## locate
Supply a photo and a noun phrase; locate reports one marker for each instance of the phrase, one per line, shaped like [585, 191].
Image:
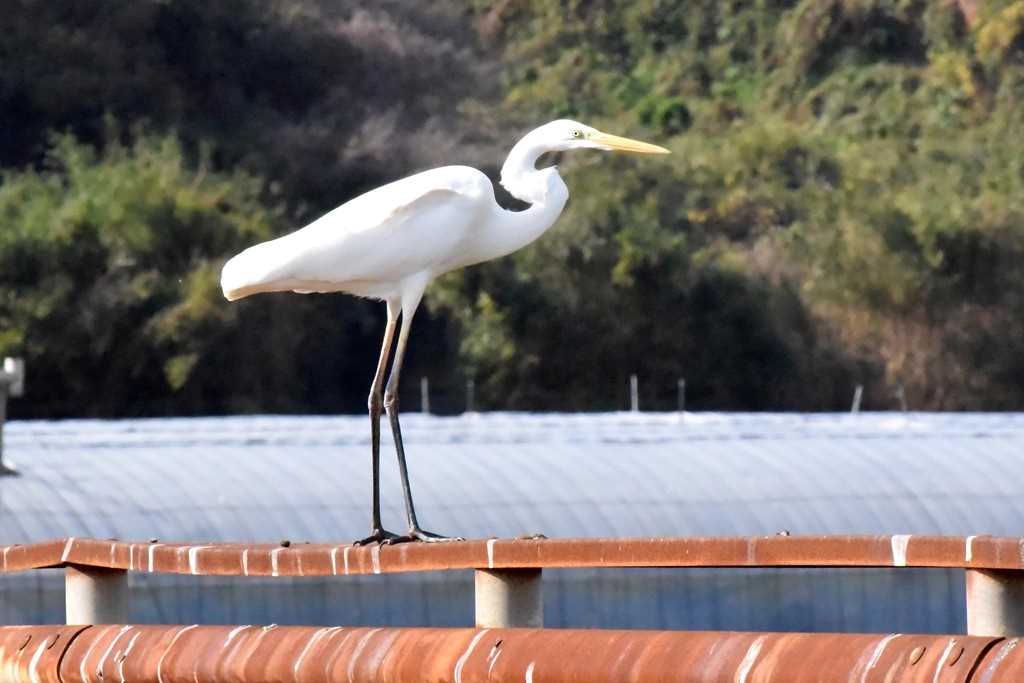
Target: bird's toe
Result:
[378, 536]
[421, 536]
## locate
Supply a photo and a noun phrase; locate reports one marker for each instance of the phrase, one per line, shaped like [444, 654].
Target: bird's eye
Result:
[576, 133]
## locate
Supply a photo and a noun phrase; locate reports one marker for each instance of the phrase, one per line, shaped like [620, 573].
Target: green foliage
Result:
[851, 168]
[843, 203]
[291, 104]
[323, 97]
[110, 264]
[1001, 35]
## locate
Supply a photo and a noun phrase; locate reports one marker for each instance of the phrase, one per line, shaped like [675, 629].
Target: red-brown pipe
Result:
[264, 654]
[301, 559]
[33, 653]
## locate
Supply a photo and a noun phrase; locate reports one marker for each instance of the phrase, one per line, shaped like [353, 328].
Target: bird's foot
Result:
[417, 535]
[378, 536]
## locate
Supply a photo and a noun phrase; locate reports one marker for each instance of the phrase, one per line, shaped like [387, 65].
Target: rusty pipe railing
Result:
[199, 654]
[304, 559]
[509, 570]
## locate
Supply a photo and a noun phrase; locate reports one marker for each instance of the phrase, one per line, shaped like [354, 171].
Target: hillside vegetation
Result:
[844, 203]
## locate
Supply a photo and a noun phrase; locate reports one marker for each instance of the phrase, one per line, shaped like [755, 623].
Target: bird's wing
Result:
[384, 235]
[377, 206]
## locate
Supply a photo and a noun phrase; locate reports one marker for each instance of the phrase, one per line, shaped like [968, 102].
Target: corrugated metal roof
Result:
[307, 478]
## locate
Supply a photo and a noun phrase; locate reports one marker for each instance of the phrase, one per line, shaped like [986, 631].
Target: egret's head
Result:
[520, 175]
[566, 134]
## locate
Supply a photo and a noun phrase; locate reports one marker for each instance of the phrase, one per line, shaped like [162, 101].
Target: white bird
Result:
[391, 242]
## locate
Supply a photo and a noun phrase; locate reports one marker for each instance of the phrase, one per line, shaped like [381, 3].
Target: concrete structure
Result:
[95, 595]
[508, 598]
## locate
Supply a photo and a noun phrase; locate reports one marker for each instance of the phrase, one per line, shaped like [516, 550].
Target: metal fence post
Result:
[858, 393]
[4, 469]
[12, 384]
[901, 396]
[424, 395]
[509, 598]
[995, 602]
[94, 595]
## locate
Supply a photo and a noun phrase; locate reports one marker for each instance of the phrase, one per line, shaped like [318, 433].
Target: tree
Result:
[110, 263]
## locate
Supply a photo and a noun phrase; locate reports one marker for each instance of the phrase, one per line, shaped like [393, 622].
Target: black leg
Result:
[374, 403]
[403, 470]
[391, 406]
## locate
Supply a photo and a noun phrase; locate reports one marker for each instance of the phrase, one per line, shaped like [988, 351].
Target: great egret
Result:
[391, 242]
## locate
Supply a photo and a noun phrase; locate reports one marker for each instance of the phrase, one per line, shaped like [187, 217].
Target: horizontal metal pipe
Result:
[302, 559]
[254, 654]
[33, 653]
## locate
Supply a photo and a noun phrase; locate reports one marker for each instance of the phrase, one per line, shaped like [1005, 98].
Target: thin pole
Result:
[3, 419]
[470, 391]
[12, 384]
[857, 394]
[634, 394]
[681, 394]
[901, 396]
[424, 395]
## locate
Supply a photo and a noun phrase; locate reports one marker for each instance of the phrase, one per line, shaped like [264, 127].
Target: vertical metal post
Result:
[4, 469]
[857, 394]
[995, 602]
[681, 394]
[634, 394]
[424, 396]
[509, 598]
[14, 372]
[95, 596]
[12, 383]
[470, 390]
[901, 396]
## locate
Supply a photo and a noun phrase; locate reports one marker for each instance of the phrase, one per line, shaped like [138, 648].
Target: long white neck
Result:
[520, 176]
[544, 190]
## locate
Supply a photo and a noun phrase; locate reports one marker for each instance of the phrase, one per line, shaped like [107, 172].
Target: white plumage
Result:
[370, 244]
[391, 242]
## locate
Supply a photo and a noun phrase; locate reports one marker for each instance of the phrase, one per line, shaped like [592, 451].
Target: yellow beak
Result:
[614, 142]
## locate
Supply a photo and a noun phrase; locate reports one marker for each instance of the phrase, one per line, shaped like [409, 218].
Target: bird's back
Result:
[372, 242]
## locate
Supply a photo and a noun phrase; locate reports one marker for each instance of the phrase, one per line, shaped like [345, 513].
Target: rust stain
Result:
[33, 653]
[976, 552]
[201, 654]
